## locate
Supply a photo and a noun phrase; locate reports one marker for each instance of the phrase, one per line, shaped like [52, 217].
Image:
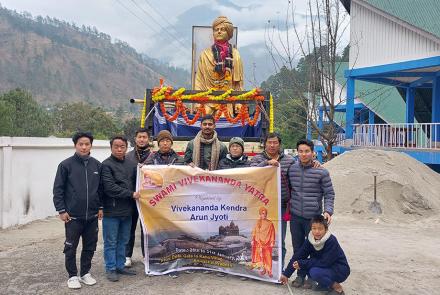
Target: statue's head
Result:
[222, 28]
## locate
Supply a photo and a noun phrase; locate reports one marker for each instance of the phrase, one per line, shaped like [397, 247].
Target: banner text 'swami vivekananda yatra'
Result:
[227, 220]
[189, 180]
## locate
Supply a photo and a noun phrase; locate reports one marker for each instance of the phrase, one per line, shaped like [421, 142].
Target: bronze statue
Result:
[220, 66]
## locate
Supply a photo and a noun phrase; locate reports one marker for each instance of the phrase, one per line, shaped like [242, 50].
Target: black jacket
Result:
[157, 158]
[134, 155]
[76, 189]
[118, 182]
[228, 162]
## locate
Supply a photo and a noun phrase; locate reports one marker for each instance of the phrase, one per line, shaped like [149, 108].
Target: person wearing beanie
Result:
[236, 157]
[164, 134]
[165, 155]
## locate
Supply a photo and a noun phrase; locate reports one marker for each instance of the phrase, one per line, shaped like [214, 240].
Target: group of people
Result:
[86, 191]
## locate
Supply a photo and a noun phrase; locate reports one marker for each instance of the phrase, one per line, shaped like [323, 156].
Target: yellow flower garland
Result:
[271, 115]
[160, 95]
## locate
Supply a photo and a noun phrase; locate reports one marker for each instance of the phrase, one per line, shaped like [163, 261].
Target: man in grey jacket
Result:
[272, 155]
[311, 194]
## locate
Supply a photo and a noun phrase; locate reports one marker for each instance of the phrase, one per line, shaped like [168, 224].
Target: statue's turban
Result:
[225, 21]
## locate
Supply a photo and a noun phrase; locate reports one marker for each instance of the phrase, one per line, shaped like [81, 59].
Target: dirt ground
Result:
[385, 258]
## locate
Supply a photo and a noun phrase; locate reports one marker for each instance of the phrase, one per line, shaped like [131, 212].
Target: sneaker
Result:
[87, 279]
[128, 262]
[207, 271]
[298, 282]
[112, 276]
[73, 283]
[190, 271]
[221, 274]
[308, 283]
[126, 272]
[173, 275]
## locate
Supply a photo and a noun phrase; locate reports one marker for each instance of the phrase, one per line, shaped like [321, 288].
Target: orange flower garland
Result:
[159, 94]
[165, 113]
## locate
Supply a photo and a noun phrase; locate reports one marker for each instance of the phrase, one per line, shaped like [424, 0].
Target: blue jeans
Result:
[116, 234]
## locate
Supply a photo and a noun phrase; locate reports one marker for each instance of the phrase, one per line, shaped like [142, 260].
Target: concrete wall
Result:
[27, 171]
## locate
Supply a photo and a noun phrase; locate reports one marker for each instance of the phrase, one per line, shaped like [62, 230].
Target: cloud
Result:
[136, 22]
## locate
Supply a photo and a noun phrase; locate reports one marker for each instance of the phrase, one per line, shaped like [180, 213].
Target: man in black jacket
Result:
[138, 155]
[119, 182]
[77, 198]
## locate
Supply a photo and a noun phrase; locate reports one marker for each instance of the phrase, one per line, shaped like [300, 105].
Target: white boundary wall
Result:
[27, 171]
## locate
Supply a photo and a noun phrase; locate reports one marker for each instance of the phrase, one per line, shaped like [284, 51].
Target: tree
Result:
[130, 127]
[316, 47]
[289, 119]
[72, 117]
[22, 116]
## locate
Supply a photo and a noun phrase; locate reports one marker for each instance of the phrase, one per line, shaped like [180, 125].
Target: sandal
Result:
[298, 282]
[333, 292]
[319, 288]
[308, 283]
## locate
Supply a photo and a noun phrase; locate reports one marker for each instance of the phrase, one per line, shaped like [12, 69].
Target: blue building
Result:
[394, 46]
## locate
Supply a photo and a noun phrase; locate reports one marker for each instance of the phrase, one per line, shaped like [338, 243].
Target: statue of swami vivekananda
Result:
[220, 66]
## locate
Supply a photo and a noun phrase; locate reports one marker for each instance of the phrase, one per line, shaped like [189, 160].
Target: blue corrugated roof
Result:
[383, 100]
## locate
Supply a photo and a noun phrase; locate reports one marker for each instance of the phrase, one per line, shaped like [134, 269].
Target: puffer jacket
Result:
[228, 162]
[309, 187]
[285, 161]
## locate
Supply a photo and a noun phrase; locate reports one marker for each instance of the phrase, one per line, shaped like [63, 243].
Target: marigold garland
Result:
[167, 93]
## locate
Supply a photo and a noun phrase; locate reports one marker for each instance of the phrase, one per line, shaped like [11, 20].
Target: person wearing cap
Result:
[236, 157]
[165, 155]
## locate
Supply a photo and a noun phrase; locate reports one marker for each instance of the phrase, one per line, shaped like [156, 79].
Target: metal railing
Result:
[400, 135]
[340, 139]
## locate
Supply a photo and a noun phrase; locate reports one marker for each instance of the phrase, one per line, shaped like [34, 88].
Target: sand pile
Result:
[406, 188]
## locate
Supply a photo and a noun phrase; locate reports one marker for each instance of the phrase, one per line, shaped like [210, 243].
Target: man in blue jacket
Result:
[77, 198]
[312, 194]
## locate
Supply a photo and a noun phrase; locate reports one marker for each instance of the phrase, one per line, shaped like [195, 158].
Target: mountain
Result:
[57, 61]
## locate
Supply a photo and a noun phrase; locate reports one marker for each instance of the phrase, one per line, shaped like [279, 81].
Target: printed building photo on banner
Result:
[226, 220]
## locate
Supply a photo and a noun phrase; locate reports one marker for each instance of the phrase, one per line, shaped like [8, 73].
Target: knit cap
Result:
[238, 141]
[164, 134]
